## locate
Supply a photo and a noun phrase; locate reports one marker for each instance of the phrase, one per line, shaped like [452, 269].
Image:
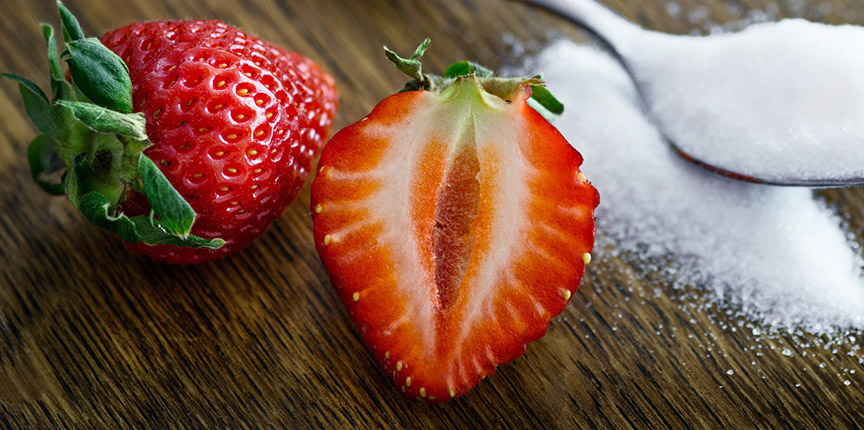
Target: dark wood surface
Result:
[92, 336]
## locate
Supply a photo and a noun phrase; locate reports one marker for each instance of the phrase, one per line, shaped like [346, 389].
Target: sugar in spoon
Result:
[779, 103]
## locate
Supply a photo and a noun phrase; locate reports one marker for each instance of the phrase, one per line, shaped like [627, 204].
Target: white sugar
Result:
[781, 101]
[785, 98]
[776, 254]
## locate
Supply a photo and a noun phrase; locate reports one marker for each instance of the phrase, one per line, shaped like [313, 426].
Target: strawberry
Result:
[228, 125]
[454, 222]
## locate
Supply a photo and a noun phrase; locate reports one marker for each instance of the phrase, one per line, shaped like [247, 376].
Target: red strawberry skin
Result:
[235, 123]
[454, 227]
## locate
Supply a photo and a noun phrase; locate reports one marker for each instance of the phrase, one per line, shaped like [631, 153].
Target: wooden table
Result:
[92, 336]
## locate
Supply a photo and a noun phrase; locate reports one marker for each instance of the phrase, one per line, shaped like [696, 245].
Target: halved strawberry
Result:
[455, 223]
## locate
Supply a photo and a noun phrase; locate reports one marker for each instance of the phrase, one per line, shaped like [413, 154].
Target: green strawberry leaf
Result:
[464, 68]
[60, 88]
[97, 210]
[133, 147]
[411, 66]
[71, 28]
[545, 103]
[421, 49]
[38, 107]
[175, 214]
[76, 178]
[43, 159]
[153, 233]
[100, 74]
[137, 229]
[104, 120]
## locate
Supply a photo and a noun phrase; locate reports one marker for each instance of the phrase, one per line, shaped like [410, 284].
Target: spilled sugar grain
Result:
[704, 21]
[776, 255]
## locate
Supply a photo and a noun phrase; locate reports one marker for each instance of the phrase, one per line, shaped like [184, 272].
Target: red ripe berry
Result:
[185, 139]
[235, 123]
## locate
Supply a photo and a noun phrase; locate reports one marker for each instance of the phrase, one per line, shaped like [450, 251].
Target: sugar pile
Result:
[789, 92]
[776, 253]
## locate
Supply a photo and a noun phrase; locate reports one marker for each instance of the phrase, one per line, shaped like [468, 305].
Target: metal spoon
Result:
[820, 71]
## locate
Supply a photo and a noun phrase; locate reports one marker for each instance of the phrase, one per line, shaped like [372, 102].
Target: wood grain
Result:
[92, 336]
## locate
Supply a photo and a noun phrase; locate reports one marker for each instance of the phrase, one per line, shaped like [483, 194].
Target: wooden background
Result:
[92, 336]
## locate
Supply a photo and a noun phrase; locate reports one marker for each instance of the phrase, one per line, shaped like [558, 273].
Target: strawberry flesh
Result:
[455, 211]
[454, 227]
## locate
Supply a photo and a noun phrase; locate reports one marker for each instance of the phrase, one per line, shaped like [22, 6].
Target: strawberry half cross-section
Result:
[454, 222]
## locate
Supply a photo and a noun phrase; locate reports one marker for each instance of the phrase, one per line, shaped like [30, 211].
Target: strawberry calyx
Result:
[91, 146]
[505, 88]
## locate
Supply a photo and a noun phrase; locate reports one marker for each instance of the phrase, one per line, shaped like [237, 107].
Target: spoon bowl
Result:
[778, 103]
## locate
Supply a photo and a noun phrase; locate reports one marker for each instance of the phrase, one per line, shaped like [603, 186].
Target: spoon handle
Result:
[603, 23]
[608, 29]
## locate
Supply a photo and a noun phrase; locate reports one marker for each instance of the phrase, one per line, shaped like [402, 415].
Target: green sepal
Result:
[175, 214]
[97, 210]
[60, 87]
[545, 103]
[465, 68]
[104, 120]
[421, 49]
[152, 233]
[411, 66]
[71, 28]
[100, 74]
[76, 178]
[137, 229]
[134, 146]
[38, 107]
[43, 159]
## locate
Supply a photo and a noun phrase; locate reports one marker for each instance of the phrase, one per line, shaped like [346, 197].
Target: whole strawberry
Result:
[455, 223]
[228, 125]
